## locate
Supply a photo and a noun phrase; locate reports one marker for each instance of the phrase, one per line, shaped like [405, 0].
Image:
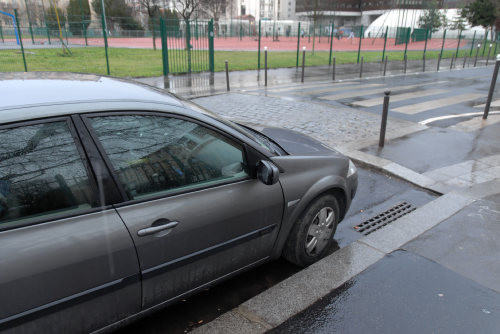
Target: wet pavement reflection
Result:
[402, 293]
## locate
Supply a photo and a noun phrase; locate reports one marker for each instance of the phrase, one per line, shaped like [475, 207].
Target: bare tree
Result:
[214, 8]
[187, 7]
[315, 11]
[152, 9]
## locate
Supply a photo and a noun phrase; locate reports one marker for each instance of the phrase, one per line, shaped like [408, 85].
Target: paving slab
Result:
[403, 293]
[466, 243]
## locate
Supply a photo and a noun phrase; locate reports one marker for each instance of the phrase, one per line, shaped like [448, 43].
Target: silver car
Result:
[117, 199]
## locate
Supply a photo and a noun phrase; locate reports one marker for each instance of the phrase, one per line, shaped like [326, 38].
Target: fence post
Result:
[407, 39]
[492, 88]
[20, 41]
[1, 34]
[164, 46]
[442, 45]
[472, 45]
[465, 60]
[331, 47]
[439, 62]
[211, 62]
[489, 52]
[458, 46]
[333, 67]
[383, 124]
[103, 23]
[385, 42]
[84, 31]
[451, 64]
[46, 25]
[188, 43]
[265, 66]
[361, 33]
[485, 40]
[426, 39]
[29, 21]
[258, 51]
[298, 46]
[303, 63]
[227, 75]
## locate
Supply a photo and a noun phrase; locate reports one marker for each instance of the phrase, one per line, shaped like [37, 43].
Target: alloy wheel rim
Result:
[319, 231]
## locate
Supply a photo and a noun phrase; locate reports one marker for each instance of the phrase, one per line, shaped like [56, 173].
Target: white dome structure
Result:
[410, 17]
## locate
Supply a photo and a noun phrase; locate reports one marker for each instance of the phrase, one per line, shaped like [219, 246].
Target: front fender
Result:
[303, 180]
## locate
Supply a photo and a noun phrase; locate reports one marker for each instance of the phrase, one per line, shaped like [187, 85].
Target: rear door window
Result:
[41, 173]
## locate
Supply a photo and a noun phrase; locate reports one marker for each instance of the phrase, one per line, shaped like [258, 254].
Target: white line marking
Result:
[399, 97]
[434, 104]
[440, 118]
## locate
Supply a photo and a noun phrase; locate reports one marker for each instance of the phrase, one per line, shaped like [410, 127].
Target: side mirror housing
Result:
[267, 173]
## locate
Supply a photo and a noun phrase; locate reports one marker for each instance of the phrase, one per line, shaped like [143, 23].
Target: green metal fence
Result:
[84, 46]
[122, 47]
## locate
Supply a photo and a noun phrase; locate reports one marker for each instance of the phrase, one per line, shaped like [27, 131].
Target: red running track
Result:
[251, 44]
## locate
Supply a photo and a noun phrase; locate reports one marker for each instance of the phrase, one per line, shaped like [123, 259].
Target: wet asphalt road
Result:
[402, 293]
[377, 192]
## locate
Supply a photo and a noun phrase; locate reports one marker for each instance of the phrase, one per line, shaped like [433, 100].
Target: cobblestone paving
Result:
[334, 126]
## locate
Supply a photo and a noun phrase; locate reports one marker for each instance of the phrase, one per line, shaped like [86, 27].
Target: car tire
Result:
[312, 234]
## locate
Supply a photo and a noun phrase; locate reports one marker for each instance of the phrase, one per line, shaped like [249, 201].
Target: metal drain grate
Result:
[384, 218]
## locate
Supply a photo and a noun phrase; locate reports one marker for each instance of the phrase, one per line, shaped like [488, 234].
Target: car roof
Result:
[22, 90]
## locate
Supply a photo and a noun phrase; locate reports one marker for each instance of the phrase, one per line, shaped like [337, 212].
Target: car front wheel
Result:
[312, 234]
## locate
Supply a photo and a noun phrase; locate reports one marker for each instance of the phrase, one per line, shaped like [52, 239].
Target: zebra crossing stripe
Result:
[399, 97]
[335, 89]
[434, 104]
[359, 93]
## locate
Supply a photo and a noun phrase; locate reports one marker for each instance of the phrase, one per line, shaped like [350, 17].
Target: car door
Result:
[193, 211]
[67, 264]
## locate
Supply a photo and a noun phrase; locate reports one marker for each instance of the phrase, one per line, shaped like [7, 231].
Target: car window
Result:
[154, 155]
[41, 173]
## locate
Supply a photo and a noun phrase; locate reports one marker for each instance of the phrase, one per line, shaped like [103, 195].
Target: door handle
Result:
[155, 229]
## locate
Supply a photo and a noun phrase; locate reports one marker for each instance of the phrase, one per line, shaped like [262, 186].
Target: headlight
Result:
[352, 168]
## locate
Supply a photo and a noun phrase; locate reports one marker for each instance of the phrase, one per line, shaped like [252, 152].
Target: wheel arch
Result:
[334, 187]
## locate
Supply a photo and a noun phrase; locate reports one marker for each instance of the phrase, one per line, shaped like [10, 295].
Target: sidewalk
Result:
[452, 242]
[206, 84]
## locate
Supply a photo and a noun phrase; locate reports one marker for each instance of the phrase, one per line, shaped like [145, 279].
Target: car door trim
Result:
[184, 260]
[64, 303]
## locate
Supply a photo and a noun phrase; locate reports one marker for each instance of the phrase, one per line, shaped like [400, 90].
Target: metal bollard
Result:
[383, 125]
[451, 64]
[439, 62]
[227, 76]
[423, 63]
[465, 60]
[333, 74]
[265, 66]
[492, 88]
[385, 65]
[488, 58]
[477, 52]
[405, 63]
[361, 67]
[303, 62]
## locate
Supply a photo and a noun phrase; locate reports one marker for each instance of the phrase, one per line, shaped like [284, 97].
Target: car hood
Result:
[296, 143]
